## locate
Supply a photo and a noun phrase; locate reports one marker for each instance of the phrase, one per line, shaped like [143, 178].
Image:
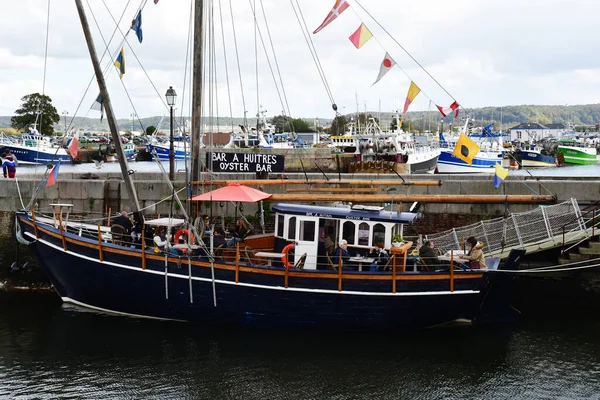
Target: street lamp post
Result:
[171, 96]
[65, 113]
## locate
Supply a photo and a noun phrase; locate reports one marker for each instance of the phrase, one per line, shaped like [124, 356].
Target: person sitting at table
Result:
[427, 254]
[380, 255]
[218, 238]
[160, 240]
[475, 254]
[241, 230]
[343, 250]
[124, 221]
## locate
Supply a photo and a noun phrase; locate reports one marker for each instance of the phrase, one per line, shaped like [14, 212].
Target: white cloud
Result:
[484, 53]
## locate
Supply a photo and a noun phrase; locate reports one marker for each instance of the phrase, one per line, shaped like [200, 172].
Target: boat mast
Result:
[110, 116]
[197, 89]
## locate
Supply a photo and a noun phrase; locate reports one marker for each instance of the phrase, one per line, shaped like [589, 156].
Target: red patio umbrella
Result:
[233, 192]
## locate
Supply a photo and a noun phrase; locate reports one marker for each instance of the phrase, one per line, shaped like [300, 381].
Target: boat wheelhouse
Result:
[362, 227]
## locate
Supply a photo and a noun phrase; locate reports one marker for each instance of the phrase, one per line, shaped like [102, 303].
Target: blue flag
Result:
[499, 176]
[120, 63]
[136, 25]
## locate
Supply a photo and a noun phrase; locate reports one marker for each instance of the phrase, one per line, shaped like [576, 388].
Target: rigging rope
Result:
[237, 56]
[403, 49]
[313, 52]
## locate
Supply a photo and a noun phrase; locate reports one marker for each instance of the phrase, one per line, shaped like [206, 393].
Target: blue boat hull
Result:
[448, 164]
[33, 156]
[119, 284]
[163, 152]
[535, 159]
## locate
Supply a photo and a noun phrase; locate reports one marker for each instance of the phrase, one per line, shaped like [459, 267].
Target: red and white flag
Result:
[447, 111]
[387, 64]
[338, 8]
[74, 145]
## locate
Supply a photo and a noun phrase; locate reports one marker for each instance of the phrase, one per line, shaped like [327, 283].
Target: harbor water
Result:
[48, 352]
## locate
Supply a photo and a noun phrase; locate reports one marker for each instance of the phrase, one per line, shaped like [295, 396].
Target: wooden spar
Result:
[335, 190]
[110, 115]
[197, 87]
[362, 182]
[423, 198]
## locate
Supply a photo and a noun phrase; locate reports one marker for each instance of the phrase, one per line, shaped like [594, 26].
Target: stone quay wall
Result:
[96, 193]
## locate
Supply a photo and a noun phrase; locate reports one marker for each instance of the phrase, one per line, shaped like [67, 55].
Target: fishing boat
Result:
[397, 146]
[160, 146]
[576, 153]
[34, 148]
[535, 157]
[490, 154]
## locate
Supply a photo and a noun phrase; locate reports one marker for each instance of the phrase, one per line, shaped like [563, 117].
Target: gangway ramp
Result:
[536, 230]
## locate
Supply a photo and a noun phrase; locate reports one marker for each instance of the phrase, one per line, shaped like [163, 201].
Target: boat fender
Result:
[181, 232]
[285, 252]
[21, 239]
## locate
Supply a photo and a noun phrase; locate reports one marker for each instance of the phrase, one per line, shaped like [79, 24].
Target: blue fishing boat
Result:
[491, 153]
[161, 145]
[534, 157]
[34, 148]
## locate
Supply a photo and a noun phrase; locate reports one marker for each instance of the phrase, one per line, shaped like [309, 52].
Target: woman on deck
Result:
[475, 254]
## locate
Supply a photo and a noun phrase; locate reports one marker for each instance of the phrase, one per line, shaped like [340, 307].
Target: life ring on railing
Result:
[181, 232]
[285, 252]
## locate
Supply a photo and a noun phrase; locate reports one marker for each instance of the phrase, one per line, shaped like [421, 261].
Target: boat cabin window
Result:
[378, 234]
[291, 229]
[363, 234]
[280, 219]
[349, 232]
[307, 231]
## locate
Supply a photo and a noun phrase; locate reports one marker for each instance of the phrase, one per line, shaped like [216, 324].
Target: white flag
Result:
[387, 64]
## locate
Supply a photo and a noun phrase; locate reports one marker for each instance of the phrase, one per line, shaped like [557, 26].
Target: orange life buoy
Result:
[183, 232]
[285, 252]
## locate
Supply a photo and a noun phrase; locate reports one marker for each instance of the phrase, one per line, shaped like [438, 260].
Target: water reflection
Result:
[48, 351]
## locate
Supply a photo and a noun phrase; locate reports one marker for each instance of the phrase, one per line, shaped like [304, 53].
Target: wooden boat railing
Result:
[398, 255]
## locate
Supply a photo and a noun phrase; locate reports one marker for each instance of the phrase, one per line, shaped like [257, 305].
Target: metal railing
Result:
[518, 230]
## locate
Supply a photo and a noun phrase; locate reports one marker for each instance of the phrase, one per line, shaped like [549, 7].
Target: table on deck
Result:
[361, 260]
[269, 256]
[446, 256]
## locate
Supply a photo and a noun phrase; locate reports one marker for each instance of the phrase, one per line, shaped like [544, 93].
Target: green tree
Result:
[282, 123]
[35, 105]
[150, 130]
[300, 125]
[338, 125]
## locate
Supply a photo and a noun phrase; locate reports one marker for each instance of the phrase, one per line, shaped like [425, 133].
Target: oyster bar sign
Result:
[236, 162]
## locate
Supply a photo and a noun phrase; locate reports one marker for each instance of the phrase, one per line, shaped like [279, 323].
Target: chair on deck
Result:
[423, 265]
[330, 264]
[219, 252]
[300, 263]
[248, 254]
[118, 234]
[389, 263]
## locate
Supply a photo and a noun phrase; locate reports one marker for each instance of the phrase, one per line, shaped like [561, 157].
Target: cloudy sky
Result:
[484, 53]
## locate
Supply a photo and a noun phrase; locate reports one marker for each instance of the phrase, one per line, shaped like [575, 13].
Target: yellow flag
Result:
[413, 91]
[466, 149]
